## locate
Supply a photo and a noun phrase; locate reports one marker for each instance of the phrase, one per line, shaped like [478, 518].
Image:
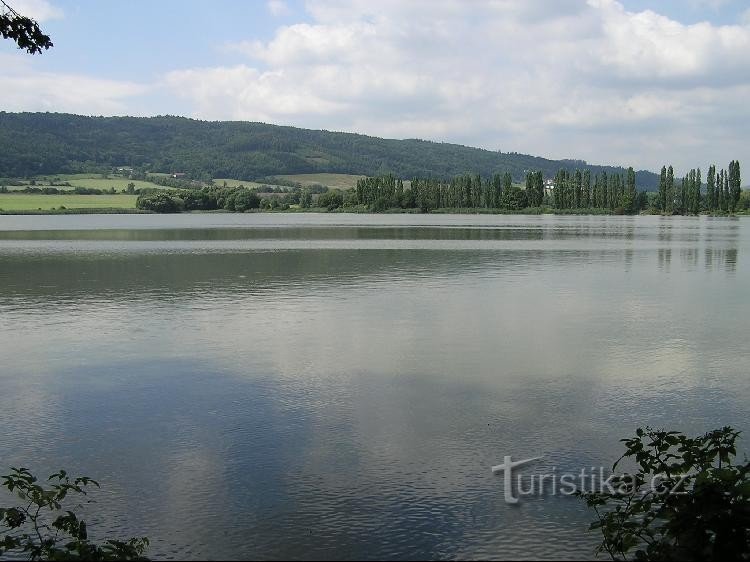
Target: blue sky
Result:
[720, 12]
[146, 38]
[630, 82]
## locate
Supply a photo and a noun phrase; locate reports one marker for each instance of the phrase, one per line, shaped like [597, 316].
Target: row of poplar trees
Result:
[573, 190]
[466, 191]
[723, 191]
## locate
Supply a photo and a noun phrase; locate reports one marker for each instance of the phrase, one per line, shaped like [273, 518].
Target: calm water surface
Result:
[338, 386]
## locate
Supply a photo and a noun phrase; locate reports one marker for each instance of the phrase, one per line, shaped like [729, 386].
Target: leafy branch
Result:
[41, 529]
[23, 30]
[686, 499]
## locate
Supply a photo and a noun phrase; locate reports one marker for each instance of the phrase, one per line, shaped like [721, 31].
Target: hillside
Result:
[49, 143]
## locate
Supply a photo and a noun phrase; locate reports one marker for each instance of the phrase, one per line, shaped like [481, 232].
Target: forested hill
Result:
[48, 143]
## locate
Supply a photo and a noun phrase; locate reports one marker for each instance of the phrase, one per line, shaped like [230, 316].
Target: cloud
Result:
[649, 46]
[571, 79]
[27, 89]
[278, 8]
[40, 10]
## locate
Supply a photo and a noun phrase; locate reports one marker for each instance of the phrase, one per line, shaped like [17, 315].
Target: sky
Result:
[630, 82]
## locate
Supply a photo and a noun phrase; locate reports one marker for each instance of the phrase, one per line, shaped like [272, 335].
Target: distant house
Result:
[549, 186]
[178, 175]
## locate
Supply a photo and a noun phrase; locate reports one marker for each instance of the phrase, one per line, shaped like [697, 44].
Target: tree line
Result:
[578, 191]
[615, 192]
[570, 190]
[723, 191]
[211, 198]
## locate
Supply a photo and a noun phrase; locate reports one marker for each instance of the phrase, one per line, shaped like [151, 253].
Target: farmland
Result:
[89, 181]
[32, 202]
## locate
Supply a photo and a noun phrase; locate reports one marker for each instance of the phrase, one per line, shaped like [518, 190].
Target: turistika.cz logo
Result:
[591, 479]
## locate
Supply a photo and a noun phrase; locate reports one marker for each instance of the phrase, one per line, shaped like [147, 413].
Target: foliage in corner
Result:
[41, 529]
[685, 500]
[23, 30]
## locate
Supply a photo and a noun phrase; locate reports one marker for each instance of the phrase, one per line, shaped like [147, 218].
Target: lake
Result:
[313, 386]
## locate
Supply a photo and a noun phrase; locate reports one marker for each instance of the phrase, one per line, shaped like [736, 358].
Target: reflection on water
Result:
[312, 386]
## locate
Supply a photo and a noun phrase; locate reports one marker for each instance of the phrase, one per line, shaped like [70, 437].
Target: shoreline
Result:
[354, 211]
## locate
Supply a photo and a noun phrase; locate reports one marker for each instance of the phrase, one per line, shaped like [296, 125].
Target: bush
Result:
[382, 203]
[331, 199]
[87, 191]
[245, 200]
[40, 529]
[514, 198]
[700, 509]
[159, 203]
[195, 200]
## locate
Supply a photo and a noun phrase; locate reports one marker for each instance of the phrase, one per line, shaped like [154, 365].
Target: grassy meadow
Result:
[118, 183]
[32, 202]
[94, 181]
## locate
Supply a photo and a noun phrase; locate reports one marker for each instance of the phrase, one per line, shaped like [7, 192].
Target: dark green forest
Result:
[56, 143]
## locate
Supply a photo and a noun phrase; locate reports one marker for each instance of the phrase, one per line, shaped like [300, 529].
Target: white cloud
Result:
[40, 10]
[27, 89]
[570, 79]
[278, 8]
[650, 46]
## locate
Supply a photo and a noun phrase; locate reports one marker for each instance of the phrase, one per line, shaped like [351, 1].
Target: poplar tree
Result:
[629, 199]
[507, 181]
[615, 200]
[587, 188]
[597, 196]
[696, 199]
[710, 189]
[531, 188]
[476, 192]
[557, 193]
[670, 191]
[727, 194]
[539, 188]
[681, 195]
[735, 184]
[663, 189]
[497, 190]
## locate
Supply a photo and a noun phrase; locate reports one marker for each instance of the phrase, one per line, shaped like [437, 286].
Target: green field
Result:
[118, 183]
[336, 181]
[236, 183]
[32, 202]
[85, 180]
